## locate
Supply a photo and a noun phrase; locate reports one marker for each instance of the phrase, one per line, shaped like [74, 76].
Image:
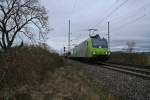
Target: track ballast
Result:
[140, 72]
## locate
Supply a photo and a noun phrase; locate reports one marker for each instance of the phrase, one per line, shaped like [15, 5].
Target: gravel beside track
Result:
[121, 85]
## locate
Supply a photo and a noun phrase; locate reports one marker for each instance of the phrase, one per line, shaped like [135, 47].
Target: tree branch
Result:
[3, 40]
[2, 8]
[18, 14]
[1, 44]
[21, 28]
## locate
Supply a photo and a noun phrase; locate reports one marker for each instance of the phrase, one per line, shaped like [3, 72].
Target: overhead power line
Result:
[134, 13]
[112, 12]
[128, 23]
[107, 10]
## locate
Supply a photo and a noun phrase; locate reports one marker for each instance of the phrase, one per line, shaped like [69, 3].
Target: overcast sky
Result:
[129, 21]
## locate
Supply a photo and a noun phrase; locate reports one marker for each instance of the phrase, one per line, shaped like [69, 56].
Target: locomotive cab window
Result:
[97, 42]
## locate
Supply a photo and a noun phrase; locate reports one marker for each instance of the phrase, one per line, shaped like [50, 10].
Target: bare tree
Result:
[21, 17]
[130, 45]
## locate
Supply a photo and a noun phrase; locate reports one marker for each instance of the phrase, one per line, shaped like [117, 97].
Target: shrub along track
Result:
[133, 70]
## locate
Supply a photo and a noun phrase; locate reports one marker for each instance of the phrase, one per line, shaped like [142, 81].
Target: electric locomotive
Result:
[94, 48]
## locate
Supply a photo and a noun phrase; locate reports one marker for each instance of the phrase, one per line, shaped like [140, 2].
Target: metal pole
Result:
[108, 37]
[69, 38]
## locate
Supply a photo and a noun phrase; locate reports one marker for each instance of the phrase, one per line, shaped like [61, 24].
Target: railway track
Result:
[140, 72]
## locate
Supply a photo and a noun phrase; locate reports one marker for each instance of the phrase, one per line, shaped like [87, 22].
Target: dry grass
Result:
[34, 73]
[129, 58]
[28, 65]
[149, 60]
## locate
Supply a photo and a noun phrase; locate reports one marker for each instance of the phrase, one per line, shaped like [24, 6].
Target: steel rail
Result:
[141, 72]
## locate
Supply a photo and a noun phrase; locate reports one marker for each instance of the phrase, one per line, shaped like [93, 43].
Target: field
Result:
[149, 60]
[130, 58]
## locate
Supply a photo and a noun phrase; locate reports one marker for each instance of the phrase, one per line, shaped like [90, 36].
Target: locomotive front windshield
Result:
[98, 42]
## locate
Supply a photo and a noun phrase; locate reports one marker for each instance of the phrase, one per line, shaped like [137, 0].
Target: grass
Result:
[35, 73]
[149, 60]
[130, 58]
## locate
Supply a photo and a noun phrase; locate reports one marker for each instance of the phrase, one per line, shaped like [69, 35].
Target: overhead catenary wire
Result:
[128, 23]
[136, 11]
[111, 13]
[75, 3]
[107, 10]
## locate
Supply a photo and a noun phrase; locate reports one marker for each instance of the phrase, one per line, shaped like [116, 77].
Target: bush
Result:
[27, 65]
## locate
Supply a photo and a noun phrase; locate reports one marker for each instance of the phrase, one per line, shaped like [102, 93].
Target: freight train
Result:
[94, 48]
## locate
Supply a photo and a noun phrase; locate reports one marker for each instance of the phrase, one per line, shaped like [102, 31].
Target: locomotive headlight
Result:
[94, 52]
[99, 47]
[106, 52]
